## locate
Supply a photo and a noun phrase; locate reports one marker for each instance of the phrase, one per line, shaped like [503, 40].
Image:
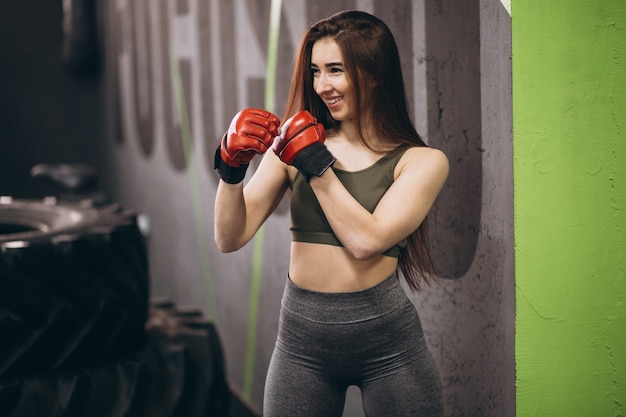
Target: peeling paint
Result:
[507, 5]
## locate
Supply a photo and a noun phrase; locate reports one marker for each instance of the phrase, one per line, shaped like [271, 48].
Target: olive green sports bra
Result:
[367, 186]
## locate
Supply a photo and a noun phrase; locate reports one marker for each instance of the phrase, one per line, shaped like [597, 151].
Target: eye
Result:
[315, 71]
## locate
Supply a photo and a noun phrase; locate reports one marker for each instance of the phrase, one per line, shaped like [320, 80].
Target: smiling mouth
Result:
[333, 101]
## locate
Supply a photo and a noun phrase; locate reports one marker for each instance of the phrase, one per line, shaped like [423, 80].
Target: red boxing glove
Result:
[251, 132]
[301, 144]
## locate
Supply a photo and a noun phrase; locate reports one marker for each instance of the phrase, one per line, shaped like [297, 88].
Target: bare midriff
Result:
[327, 268]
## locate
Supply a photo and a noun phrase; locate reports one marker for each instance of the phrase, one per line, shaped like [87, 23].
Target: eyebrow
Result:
[330, 64]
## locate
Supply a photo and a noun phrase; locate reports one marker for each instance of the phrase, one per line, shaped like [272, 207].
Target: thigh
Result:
[293, 389]
[412, 391]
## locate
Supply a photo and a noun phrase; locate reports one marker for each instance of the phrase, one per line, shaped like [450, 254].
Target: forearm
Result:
[420, 175]
[241, 210]
[229, 217]
[354, 226]
[250, 133]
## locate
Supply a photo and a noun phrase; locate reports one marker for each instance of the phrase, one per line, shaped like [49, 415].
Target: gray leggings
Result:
[329, 341]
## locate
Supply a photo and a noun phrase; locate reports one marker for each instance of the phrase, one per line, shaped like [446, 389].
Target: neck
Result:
[348, 130]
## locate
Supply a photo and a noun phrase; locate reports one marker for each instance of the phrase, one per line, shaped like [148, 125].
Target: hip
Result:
[374, 331]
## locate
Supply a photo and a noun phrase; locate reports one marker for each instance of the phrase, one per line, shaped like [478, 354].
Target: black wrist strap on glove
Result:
[313, 160]
[231, 175]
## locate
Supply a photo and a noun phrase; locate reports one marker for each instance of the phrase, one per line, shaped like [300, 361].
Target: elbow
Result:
[363, 252]
[225, 248]
[363, 255]
[222, 247]
[225, 245]
[364, 248]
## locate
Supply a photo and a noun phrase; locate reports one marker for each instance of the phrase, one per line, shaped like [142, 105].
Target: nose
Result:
[322, 84]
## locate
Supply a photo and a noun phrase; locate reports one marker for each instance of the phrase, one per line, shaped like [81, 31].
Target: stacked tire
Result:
[78, 334]
[73, 285]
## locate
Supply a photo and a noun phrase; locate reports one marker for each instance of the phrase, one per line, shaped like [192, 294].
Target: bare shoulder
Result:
[424, 160]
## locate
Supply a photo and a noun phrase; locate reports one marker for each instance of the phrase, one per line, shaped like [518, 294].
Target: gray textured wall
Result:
[178, 70]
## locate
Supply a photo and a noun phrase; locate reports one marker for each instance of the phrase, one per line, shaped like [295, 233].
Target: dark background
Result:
[48, 114]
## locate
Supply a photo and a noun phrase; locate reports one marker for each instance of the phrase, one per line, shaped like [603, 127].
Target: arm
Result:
[239, 210]
[422, 174]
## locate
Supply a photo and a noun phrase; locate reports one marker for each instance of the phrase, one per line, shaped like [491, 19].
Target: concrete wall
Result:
[570, 168]
[176, 73]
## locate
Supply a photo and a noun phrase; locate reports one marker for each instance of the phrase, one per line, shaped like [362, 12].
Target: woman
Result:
[361, 183]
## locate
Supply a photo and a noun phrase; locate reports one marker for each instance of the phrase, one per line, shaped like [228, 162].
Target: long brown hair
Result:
[371, 61]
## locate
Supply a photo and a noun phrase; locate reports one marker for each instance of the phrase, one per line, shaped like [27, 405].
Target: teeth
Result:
[333, 101]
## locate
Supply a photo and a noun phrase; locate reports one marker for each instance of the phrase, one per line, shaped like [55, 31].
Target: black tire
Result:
[74, 285]
[178, 373]
[79, 336]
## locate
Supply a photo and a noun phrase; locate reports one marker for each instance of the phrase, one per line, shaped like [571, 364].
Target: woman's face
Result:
[330, 81]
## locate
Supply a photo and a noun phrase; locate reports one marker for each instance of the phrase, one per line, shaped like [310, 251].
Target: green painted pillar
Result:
[569, 142]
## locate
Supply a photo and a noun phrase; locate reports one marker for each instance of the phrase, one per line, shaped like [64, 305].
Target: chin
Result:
[338, 116]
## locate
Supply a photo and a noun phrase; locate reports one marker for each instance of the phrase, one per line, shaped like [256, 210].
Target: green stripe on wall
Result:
[257, 261]
[569, 124]
[194, 187]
